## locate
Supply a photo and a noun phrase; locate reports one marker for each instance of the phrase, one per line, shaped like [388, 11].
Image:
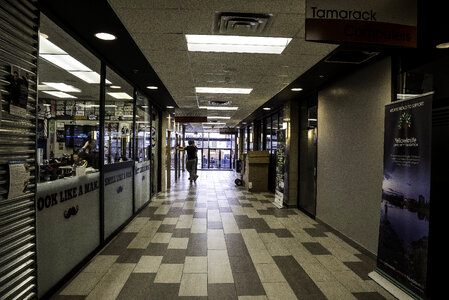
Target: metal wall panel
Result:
[18, 47]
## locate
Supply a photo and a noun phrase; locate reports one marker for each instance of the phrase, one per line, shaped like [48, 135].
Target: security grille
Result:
[18, 52]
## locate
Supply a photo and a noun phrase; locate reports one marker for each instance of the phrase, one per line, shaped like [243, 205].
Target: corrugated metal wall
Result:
[19, 48]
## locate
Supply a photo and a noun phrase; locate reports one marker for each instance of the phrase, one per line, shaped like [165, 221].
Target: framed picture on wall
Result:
[18, 91]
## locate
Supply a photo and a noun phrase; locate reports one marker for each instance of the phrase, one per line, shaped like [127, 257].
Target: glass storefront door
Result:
[225, 159]
[214, 159]
[199, 155]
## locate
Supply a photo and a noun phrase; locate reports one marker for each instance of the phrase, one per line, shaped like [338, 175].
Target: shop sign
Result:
[382, 22]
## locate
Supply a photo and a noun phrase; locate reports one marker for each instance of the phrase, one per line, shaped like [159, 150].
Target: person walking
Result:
[192, 151]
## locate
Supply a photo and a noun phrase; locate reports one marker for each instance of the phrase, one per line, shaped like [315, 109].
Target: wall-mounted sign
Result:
[19, 177]
[382, 22]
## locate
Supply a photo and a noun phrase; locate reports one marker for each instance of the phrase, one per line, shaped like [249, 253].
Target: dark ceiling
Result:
[82, 19]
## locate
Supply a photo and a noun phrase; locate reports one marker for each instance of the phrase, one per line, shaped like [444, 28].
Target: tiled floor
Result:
[213, 240]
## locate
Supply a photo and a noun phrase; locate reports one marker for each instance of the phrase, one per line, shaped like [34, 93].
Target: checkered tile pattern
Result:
[213, 240]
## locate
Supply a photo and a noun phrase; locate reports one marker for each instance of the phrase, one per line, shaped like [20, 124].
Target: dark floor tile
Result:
[233, 201]
[200, 204]
[214, 225]
[187, 211]
[314, 232]
[174, 212]
[197, 245]
[212, 205]
[221, 291]
[241, 264]
[166, 228]
[283, 212]
[174, 256]
[181, 233]
[148, 211]
[235, 245]
[368, 260]
[224, 209]
[243, 222]
[130, 256]
[158, 217]
[261, 226]
[248, 284]
[119, 244]
[368, 296]
[282, 233]
[265, 201]
[67, 297]
[265, 212]
[156, 249]
[362, 269]
[166, 291]
[137, 286]
[301, 284]
[316, 249]
[200, 215]
[246, 205]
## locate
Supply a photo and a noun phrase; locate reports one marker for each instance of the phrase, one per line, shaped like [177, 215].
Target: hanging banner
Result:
[404, 224]
[381, 22]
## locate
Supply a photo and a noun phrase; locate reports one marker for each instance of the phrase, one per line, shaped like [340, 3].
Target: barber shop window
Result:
[118, 119]
[68, 105]
[143, 128]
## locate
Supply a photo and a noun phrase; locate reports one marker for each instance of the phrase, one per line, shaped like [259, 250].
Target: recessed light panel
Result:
[296, 89]
[216, 90]
[120, 95]
[152, 87]
[236, 44]
[105, 36]
[218, 117]
[60, 86]
[60, 94]
[219, 107]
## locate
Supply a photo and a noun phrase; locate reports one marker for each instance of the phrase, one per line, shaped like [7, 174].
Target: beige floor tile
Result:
[199, 225]
[149, 229]
[162, 210]
[215, 239]
[161, 237]
[213, 215]
[82, 284]
[218, 267]
[112, 282]
[334, 290]
[317, 272]
[195, 264]
[178, 243]
[193, 285]
[148, 264]
[170, 221]
[252, 298]
[140, 242]
[269, 273]
[279, 291]
[169, 273]
[101, 263]
[184, 221]
[331, 263]
[252, 239]
[136, 225]
[178, 204]
[229, 223]
[260, 256]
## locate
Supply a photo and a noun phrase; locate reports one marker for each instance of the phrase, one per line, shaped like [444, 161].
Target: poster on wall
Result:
[280, 169]
[19, 177]
[404, 224]
[18, 91]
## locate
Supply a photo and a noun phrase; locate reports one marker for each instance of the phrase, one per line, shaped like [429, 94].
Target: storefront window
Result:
[143, 128]
[154, 150]
[268, 132]
[118, 119]
[274, 128]
[251, 137]
[68, 109]
[245, 140]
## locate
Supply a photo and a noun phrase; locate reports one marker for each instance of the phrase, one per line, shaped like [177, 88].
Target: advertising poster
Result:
[404, 224]
[280, 169]
[18, 91]
[19, 177]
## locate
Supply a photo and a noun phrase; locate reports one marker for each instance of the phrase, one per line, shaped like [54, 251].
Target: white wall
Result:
[350, 153]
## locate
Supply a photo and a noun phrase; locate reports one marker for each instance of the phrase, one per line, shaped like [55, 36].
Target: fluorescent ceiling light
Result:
[105, 36]
[218, 117]
[169, 106]
[120, 95]
[266, 108]
[65, 61]
[115, 87]
[312, 119]
[219, 107]
[442, 46]
[59, 94]
[60, 86]
[407, 96]
[47, 47]
[89, 76]
[236, 44]
[152, 87]
[213, 123]
[296, 89]
[216, 90]
[96, 105]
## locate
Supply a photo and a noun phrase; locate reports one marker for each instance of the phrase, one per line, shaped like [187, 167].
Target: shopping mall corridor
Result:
[213, 240]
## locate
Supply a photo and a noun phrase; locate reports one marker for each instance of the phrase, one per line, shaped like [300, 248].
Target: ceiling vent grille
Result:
[350, 56]
[241, 23]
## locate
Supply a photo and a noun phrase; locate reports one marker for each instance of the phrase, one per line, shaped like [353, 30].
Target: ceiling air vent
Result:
[350, 56]
[219, 102]
[241, 23]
